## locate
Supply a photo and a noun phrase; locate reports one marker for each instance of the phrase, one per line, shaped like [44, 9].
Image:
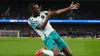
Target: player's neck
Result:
[35, 15]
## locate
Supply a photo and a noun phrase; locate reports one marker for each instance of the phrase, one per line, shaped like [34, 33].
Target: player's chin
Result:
[38, 12]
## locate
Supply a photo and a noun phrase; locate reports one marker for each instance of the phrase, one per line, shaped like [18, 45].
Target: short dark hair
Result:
[30, 6]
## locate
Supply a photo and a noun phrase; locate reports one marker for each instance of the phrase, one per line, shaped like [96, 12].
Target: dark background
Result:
[44, 0]
[88, 9]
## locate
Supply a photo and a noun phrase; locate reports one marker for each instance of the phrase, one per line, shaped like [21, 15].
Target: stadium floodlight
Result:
[9, 33]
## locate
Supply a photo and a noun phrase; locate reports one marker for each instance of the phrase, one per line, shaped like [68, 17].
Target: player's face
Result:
[36, 9]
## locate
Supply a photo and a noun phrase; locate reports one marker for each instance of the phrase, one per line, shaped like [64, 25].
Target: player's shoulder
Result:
[45, 12]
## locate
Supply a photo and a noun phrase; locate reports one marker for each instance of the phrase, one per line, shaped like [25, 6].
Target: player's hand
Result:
[74, 6]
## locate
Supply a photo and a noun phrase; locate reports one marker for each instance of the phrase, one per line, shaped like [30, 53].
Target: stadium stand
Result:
[68, 30]
[20, 11]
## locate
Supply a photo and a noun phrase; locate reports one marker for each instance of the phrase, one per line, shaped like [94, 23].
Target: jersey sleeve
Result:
[33, 23]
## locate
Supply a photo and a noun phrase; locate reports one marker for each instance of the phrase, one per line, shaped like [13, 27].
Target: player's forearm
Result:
[62, 10]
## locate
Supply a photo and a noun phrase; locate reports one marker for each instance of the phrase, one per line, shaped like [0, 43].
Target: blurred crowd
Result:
[75, 31]
[67, 30]
[20, 10]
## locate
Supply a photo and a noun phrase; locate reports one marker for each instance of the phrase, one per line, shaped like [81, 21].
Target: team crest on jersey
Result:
[42, 16]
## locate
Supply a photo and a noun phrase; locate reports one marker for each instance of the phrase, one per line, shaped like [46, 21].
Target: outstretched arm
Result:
[52, 13]
[72, 6]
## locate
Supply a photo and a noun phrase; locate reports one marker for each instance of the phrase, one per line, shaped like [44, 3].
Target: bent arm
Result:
[43, 25]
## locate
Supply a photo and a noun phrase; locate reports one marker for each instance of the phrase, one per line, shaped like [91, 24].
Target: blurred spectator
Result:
[69, 30]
